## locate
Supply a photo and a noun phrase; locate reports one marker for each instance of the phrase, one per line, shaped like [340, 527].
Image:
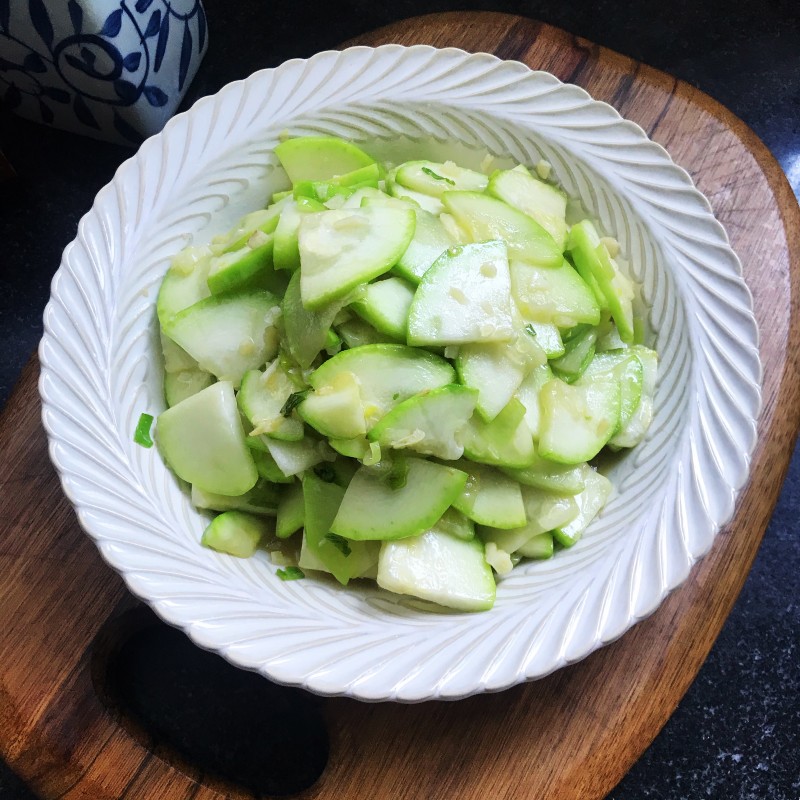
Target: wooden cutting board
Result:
[570, 736]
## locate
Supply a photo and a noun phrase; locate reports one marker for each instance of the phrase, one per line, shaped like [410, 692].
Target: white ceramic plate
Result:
[101, 369]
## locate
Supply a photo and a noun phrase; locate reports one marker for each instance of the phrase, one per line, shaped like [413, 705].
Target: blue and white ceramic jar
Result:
[112, 69]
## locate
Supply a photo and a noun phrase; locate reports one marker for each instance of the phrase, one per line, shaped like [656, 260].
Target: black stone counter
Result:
[736, 734]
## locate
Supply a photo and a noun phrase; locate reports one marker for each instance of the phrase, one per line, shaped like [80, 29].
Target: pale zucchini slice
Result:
[556, 295]
[578, 420]
[335, 191]
[357, 333]
[456, 524]
[262, 499]
[506, 441]
[381, 504]
[429, 423]
[434, 179]
[582, 244]
[635, 429]
[590, 503]
[539, 547]
[440, 568]
[176, 359]
[359, 448]
[550, 476]
[290, 512]
[293, 458]
[286, 251]
[548, 510]
[454, 230]
[497, 369]
[365, 193]
[384, 199]
[185, 283]
[649, 359]
[490, 498]
[341, 249]
[388, 374]
[264, 220]
[431, 239]
[608, 338]
[463, 297]
[384, 305]
[228, 334]
[305, 331]
[336, 410]
[634, 432]
[356, 448]
[236, 533]
[544, 510]
[182, 374]
[508, 540]
[485, 217]
[219, 461]
[627, 369]
[546, 204]
[578, 353]
[180, 385]
[333, 342]
[344, 559]
[265, 463]
[528, 395]
[320, 158]
[548, 337]
[249, 267]
[433, 205]
[262, 397]
[592, 257]
[370, 174]
[309, 560]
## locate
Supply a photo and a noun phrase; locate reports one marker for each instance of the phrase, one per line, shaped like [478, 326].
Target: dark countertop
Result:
[736, 734]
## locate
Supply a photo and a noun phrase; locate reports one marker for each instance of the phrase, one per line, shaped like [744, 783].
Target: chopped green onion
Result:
[291, 574]
[530, 330]
[325, 472]
[339, 542]
[142, 433]
[436, 176]
[292, 401]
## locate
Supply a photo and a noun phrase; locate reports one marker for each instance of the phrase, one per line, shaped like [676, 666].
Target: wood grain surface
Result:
[570, 736]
